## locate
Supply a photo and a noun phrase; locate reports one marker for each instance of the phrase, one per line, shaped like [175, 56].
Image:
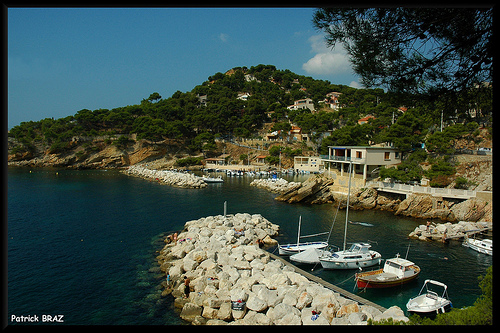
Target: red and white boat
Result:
[396, 271]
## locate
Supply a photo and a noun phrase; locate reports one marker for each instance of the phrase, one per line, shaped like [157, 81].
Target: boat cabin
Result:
[399, 267]
[360, 247]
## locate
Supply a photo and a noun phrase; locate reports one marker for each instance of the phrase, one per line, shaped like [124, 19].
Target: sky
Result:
[62, 60]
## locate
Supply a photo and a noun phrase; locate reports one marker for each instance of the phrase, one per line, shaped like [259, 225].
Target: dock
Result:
[328, 285]
[469, 233]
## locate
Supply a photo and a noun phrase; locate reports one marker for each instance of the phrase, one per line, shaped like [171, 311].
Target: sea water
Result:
[82, 244]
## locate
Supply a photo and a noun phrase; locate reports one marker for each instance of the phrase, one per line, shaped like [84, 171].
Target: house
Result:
[202, 99]
[305, 103]
[312, 164]
[296, 133]
[273, 136]
[243, 96]
[331, 100]
[365, 159]
[213, 162]
[261, 159]
[364, 120]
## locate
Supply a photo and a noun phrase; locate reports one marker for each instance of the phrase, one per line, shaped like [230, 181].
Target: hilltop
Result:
[249, 112]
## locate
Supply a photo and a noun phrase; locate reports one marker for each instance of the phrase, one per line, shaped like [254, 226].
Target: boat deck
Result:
[328, 285]
[380, 277]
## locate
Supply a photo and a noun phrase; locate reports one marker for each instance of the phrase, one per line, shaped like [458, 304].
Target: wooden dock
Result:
[328, 285]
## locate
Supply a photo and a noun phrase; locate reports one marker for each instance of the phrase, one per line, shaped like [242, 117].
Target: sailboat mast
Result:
[347, 208]
[298, 233]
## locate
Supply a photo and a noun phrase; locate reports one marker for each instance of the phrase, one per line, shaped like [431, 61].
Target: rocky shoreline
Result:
[319, 189]
[172, 178]
[233, 281]
[442, 231]
[278, 185]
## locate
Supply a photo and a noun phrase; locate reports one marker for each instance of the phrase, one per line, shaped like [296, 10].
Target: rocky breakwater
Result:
[444, 231]
[233, 281]
[278, 185]
[315, 190]
[424, 206]
[172, 178]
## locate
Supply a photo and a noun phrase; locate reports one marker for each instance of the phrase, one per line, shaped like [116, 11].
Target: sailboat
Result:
[359, 255]
[293, 248]
[311, 256]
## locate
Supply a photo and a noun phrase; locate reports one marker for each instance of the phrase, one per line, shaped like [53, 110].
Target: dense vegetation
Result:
[213, 109]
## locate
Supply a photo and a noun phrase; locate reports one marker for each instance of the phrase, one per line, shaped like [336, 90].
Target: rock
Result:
[393, 312]
[357, 318]
[209, 313]
[309, 318]
[269, 241]
[256, 304]
[314, 190]
[370, 311]
[347, 309]
[225, 312]
[280, 311]
[190, 311]
[304, 300]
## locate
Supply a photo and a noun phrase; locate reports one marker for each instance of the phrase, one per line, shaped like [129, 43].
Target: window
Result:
[387, 156]
[359, 154]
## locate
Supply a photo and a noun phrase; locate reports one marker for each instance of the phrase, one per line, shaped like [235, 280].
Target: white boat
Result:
[293, 248]
[212, 179]
[430, 303]
[480, 245]
[359, 254]
[310, 256]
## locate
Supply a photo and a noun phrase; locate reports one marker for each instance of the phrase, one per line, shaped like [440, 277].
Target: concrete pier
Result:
[328, 285]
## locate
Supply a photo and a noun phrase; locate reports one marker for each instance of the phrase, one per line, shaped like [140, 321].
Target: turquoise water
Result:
[82, 244]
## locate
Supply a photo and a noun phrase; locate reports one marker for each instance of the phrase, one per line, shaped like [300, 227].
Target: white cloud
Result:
[326, 61]
[355, 84]
[223, 37]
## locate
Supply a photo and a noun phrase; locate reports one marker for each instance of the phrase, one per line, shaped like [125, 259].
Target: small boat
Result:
[293, 248]
[212, 179]
[310, 256]
[429, 304]
[480, 245]
[396, 271]
[364, 224]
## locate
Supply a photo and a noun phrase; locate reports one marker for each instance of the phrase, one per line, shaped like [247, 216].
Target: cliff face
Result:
[100, 155]
[317, 189]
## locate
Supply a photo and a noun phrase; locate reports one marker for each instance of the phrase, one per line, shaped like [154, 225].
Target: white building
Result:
[365, 159]
[308, 163]
[305, 103]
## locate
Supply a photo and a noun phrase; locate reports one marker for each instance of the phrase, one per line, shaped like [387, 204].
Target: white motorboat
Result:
[293, 248]
[358, 256]
[480, 245]
[430, 303]
[207, 179]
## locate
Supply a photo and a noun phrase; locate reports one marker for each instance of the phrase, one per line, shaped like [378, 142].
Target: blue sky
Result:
[62, 60]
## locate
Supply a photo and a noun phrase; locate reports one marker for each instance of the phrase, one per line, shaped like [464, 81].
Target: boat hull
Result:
[291, 249]
[480, 246]
[363, 280]
[431, 313]
[333, 263]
